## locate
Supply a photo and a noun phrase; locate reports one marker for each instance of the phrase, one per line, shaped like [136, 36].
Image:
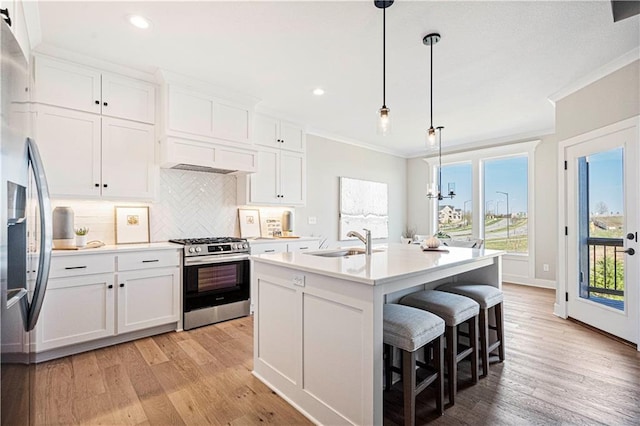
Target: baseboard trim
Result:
[532, 282]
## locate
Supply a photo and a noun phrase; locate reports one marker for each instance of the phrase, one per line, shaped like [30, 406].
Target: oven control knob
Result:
[192, 250]
[198, 249]
[245, 246]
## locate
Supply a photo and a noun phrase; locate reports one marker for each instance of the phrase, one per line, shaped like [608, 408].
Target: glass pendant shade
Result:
[431, 139]
[384, 124]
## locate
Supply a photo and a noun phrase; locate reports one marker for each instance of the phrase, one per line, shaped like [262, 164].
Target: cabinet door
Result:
[67, 85]
[128, 168]
[76, 310]
[292, 137]
[265, 182]
[69, 142]
[265, 131]
[148, 298]
[231, 122]
[190, 112]
[292, 178]
[128, 98]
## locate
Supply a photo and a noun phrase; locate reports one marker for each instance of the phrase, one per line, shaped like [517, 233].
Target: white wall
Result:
[327, 160]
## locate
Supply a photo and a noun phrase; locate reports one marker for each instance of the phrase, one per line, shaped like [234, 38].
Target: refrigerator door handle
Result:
[44, 262]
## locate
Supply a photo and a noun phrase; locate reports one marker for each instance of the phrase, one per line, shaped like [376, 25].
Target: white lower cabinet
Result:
[76, 309]
[100, 296]
[148, 298]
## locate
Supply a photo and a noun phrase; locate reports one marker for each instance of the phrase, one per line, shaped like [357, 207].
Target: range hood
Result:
[206, 169]
[186, 154]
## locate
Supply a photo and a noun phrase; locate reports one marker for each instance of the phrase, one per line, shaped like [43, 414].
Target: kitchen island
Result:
[318, 321]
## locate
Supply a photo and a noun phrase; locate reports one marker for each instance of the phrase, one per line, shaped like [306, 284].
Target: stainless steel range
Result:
[216, 280]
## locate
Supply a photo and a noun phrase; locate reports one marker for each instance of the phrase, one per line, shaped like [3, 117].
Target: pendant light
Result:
[436, 191]
[384, 125]
[430, 40]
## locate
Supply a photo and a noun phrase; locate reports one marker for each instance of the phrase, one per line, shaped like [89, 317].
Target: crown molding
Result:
[353, 142]
[603, 71]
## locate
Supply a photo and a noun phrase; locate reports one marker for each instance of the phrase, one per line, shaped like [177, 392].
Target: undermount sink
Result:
[341, 253]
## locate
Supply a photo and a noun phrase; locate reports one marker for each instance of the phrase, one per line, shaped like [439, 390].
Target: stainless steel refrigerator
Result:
[25, 231]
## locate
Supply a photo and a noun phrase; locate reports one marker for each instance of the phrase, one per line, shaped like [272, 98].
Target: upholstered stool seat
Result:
[487, 297]
[454, 310]
[410, 329]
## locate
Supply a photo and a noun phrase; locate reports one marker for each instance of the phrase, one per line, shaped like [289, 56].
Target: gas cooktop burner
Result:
[211, 240]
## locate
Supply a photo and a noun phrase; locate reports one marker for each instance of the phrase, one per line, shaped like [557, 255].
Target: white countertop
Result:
[396, 261]
[120, 248]
[266, 240]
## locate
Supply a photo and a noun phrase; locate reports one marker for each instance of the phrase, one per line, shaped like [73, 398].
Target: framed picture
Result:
[249, 223]
[132, 225]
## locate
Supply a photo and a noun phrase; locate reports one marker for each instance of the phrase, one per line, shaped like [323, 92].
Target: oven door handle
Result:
[207, 260]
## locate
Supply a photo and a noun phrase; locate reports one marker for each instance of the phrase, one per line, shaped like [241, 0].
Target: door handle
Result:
[629, 251]
[632, 236]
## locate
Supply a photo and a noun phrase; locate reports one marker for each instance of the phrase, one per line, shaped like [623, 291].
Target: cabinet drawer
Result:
[268, 248]
[148, 259]
[70, 266]
[303, 245]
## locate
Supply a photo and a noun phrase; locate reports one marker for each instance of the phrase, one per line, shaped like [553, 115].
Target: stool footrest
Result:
[462, 354]
[495, 345]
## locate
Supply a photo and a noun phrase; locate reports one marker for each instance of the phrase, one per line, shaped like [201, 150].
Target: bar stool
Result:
[487, 297]
[411, 329]
[454, 310]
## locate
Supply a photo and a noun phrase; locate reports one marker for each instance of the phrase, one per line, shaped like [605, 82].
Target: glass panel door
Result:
[602, 219]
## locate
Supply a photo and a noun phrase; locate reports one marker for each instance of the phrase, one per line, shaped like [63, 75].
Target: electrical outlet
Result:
[545, 267]
[298, 280]
[312, 220]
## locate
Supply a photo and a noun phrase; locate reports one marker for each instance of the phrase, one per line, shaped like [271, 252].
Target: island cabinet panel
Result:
[328, 324]
[278, 328]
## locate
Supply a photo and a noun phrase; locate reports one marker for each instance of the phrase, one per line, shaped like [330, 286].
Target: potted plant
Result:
[408, 235]
[81, 236]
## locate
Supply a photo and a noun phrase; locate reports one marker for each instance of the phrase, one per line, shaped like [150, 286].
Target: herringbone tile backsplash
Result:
[189, 204]
[194, 204]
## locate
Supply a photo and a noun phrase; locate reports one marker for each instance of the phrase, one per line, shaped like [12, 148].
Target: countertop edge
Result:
[121, 248]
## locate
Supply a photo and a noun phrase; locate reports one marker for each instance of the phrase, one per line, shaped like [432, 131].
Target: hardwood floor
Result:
[556, 371]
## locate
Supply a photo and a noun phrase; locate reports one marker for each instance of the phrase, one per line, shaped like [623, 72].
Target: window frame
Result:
[477, 158]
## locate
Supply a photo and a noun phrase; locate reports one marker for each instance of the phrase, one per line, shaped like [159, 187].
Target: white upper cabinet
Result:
[89, 156]
[274, 133]
[127, 98]
[197, 114]
[87, 89]
[280, 179]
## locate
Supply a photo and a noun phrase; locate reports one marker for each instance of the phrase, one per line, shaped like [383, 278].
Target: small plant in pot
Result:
[408, 235]
[81, 236]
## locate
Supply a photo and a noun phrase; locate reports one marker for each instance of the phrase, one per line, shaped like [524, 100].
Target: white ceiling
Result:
[494, 69]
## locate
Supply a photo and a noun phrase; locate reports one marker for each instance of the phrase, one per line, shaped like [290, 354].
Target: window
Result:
[454, 214]
[493, 198]
[506, 204]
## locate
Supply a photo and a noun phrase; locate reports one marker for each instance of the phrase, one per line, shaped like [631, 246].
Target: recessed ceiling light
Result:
[318, 91]
[139, 21]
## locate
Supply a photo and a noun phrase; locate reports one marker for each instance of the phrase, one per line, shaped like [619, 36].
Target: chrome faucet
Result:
[366, 240]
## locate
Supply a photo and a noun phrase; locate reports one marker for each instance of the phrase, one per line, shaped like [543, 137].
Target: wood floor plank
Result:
[556, 372]
[87, 377]
[150, 351]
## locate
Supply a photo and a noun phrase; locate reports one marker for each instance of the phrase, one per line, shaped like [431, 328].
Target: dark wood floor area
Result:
[555, 372]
